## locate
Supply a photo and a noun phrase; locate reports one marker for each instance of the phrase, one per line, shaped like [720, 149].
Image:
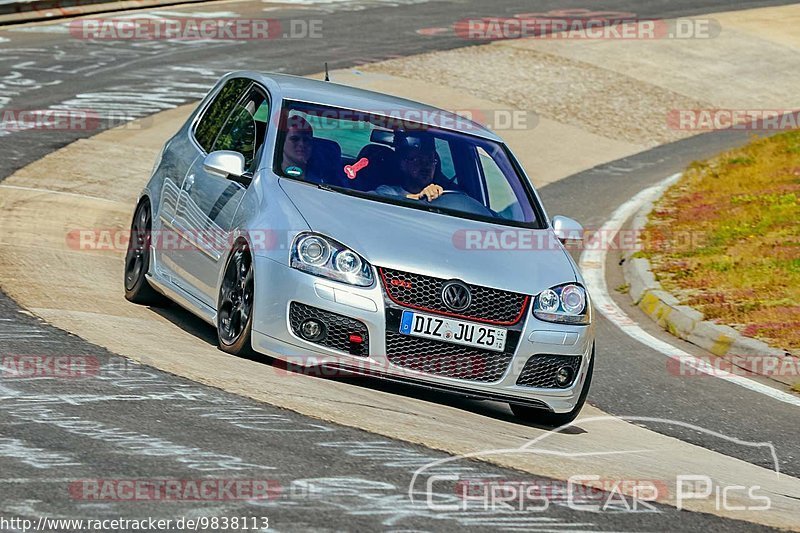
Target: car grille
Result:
[339, 328]
[493, 306]
[446, 359]
[540, 370]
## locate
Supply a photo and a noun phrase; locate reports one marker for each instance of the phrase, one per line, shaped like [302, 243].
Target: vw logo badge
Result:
[456, 295]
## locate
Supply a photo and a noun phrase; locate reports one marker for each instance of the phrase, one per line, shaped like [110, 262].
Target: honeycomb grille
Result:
[445, 359]
[425, 292]
[339, 328]
[540, 370]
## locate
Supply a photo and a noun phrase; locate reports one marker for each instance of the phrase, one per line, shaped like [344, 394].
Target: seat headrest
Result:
[330, 148]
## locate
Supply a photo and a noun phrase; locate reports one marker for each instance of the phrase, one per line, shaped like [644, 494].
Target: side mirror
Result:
[225, 164]
[567, 230]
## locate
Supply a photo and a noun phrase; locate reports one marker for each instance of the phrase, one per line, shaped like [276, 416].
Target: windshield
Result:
[388, 159]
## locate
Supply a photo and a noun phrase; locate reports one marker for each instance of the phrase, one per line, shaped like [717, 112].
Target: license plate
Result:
[455, 331]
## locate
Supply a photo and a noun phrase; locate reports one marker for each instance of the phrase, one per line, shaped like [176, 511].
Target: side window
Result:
[446, 157]
[215, 114]
[502, 199]
[245, 128]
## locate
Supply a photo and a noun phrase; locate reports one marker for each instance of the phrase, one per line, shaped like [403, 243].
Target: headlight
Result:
[347, 262]
[549, 301]
[327, 258]
[313, 250]
[566, 304]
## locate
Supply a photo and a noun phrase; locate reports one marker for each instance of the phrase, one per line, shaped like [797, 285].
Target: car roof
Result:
[337, 95]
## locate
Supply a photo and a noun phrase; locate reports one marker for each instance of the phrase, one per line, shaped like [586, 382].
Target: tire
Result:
[547, 418]
[137, 259]
[236, 302]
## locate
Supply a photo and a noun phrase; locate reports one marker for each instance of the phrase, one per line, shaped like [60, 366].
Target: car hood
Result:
[438, 245]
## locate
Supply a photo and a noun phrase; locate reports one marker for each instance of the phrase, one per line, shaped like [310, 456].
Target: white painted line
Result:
[186, 14]
[593, 266]
[35, 480]
[60, 192]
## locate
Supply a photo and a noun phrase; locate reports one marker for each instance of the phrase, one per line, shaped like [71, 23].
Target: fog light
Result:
[312, 330]
[564, 376]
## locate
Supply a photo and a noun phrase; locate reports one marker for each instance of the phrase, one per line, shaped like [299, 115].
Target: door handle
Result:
[189, 183]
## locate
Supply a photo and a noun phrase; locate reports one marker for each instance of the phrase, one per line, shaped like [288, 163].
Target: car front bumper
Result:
[277, 286]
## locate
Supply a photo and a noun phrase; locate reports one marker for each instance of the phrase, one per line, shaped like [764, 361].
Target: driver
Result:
[417, 157]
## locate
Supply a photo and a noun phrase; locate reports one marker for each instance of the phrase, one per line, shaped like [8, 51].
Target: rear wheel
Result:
[137, 259]
[548, 418]
[235, 305]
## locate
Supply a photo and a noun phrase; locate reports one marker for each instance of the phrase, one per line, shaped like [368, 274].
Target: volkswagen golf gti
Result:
[331, 227]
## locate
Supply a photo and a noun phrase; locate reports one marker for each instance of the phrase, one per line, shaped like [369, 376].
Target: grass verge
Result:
[725, 239]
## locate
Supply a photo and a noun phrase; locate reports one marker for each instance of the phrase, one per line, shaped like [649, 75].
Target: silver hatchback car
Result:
[335, 228]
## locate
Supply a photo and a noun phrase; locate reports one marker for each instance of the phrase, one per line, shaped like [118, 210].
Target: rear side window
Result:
[217, 112]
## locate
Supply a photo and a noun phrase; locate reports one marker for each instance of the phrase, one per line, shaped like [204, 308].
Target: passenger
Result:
[417, 161]
[297, 148]
[310, 158]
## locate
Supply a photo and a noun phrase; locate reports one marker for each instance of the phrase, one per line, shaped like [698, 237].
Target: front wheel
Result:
[550, 419]
[235, 305]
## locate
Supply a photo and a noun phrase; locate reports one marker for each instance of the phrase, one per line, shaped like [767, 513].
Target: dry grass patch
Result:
[725, 239]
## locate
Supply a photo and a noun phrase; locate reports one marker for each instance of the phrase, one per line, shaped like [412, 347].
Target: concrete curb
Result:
[687, 323]
[56, 9]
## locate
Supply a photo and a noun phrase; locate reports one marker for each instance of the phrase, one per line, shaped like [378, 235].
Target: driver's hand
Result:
[431, 192]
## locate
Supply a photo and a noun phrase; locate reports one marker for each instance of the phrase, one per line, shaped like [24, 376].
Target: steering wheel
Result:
[461, 201]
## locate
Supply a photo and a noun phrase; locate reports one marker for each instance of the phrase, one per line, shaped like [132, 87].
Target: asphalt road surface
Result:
[131, 421]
